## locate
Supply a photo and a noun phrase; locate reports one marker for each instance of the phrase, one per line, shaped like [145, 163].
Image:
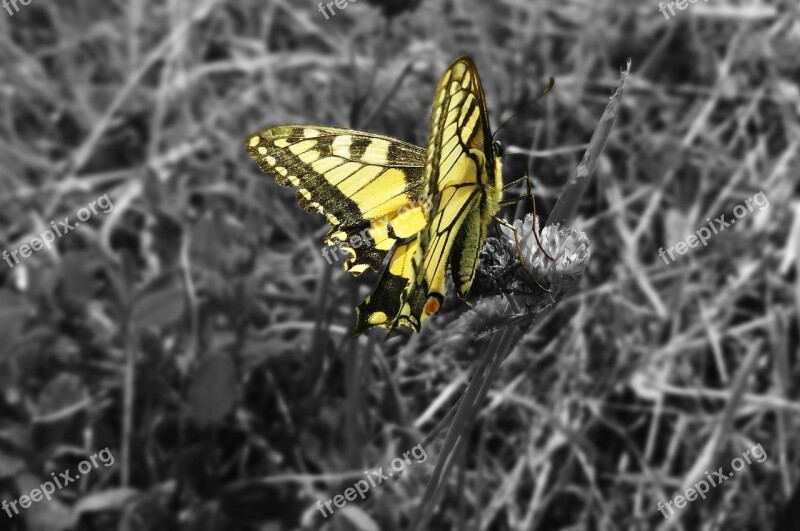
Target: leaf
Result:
[46, 515]
[10, 464]
[219, 243]
[108, 500]
[62, 396]
[160, 306]
[360, 520]
[213, 389]
[77, 280]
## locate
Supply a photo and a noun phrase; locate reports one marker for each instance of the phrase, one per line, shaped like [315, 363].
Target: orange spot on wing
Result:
[432, 306]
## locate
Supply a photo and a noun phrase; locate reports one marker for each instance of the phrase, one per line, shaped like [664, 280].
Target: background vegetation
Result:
[197, 332]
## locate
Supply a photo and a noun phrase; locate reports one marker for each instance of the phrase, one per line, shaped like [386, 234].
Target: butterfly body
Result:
[421, 207]
[463, 175]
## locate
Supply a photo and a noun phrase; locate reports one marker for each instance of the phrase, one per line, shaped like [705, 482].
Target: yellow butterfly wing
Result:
[463, 178]
[382, 306]
[368, 186]
[425, 207]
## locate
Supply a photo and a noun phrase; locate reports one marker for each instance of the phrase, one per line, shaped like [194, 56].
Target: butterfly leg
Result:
[512, 183]
[533, 202]
[535, 220]
[509, 202]
[519, 250]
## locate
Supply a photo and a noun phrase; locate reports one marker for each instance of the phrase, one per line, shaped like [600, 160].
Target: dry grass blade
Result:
[573, 191]
[502, 342]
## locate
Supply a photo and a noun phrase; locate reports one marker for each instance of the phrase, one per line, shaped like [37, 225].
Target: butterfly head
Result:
[497, 149]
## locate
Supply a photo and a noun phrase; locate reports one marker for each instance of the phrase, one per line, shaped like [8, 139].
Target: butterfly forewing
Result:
[368, 186]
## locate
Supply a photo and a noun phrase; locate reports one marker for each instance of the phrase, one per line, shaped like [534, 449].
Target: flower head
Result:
[568, 247]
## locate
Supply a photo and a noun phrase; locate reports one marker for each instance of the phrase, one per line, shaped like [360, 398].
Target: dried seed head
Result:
[568, 247]
[509, 296]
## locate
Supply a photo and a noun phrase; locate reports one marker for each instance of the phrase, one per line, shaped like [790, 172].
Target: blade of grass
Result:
[568, 201]
[502, 342]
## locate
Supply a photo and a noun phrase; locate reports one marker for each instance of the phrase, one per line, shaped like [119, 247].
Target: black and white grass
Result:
[526, 277]
[199, 334]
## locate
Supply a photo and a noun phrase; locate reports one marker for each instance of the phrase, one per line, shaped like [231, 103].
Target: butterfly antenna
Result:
[528, 106]
[515, 155]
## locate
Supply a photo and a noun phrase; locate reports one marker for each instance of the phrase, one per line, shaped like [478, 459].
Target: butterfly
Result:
[424, 208]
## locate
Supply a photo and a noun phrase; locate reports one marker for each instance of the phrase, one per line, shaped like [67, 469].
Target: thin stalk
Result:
[503, 341]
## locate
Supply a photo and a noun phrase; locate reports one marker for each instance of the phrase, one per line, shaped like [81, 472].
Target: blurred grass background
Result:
[197, 332]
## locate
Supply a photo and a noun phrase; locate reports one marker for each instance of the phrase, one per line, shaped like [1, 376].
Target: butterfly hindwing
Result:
[463, 180]
[466, 252]
[382, 306]
[368, 186]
